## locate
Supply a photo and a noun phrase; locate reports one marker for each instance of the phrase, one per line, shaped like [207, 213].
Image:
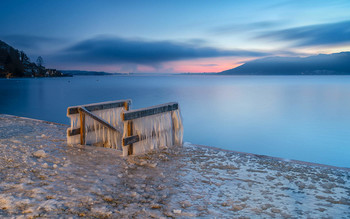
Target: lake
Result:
[294, 117]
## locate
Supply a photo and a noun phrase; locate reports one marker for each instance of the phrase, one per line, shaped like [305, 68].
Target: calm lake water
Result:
[295, 117]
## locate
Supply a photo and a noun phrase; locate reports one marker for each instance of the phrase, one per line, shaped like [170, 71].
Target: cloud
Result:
[313, 35]
[30, 42]
[209, 65]
[234, 28]
[116, 50]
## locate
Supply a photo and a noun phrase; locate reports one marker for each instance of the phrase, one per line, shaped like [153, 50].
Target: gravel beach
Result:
[40, 176]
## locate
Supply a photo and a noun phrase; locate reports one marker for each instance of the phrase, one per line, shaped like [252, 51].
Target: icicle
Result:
[96, 133]
[125, 134]
[72, 140]
[178, 127]
[158, 130]
[74, 124]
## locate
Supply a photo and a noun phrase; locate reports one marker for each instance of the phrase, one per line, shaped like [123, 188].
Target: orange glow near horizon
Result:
[206, 65]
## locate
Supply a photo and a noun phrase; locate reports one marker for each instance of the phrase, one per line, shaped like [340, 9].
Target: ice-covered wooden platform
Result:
[41, 176]
[113, 125]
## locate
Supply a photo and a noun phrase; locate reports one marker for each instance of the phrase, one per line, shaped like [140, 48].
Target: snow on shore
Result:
[40, 176]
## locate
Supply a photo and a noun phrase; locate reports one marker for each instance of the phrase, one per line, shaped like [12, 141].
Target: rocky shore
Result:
[40, 176]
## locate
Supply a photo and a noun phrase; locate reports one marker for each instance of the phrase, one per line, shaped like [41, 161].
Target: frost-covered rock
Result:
[39, 153]
[5, 202]
[177, 211]
[185, 204]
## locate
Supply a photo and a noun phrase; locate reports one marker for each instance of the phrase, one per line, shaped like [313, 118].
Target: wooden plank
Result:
[131, 139]
[77, 131]
[173, 127]
[74, 132]
[82, 128]
[100, 120]
[136, 138]
[99, 106]
[134, 114]
[130, 133]
[127, 105]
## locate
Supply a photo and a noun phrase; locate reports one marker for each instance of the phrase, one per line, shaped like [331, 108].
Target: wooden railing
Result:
[88, 110]
[127, 136]
[83, 111]
[129, 116]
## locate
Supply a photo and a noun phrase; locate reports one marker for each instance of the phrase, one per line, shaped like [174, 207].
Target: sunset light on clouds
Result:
[172, 36]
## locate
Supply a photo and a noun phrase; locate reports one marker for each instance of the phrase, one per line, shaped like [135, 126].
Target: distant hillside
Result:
[332, 64]
[77, 72]
[15, 63]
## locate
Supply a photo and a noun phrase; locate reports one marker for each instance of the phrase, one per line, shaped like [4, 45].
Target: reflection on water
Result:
[296, 117]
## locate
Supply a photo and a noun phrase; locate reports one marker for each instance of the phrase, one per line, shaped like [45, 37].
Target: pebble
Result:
[155, 206]
[236, 208]
[134, 194]
[143, 163]
[177, 211]
[39, 153]
[153, 165]
[275, 210]
[185, 204]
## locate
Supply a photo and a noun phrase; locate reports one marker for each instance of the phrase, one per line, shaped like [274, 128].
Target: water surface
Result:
[295, 117]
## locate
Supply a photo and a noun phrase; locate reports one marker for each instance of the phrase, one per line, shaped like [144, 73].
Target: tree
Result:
[40, 62]
[23, 57]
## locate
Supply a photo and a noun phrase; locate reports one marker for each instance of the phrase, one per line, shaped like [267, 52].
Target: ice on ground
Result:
[191, 181]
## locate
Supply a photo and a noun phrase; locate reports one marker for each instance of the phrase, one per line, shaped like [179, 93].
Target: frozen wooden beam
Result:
[136, 138]
[99, 106]
[131, 140]
[149, 111]
[73, 132]
[98, 119]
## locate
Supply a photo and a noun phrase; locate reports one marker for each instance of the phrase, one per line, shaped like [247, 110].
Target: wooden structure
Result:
[122, 128]
[101, 114]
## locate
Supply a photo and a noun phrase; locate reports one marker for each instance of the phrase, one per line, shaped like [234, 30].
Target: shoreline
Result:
[216, 148]
[40, 176]
[277, 158]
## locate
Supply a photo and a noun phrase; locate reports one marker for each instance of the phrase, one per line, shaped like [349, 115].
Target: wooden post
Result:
[126, 105]
[130, 129]
[82, 127]
[130, 133]
[173, 126]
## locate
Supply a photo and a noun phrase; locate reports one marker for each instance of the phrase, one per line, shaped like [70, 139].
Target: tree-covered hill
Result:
[15, 63]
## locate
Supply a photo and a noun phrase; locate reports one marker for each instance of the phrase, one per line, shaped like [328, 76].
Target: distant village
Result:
[15, 63]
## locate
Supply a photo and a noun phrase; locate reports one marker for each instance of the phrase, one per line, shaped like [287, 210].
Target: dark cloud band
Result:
[114, 50]
[30, 42]
[313, 35]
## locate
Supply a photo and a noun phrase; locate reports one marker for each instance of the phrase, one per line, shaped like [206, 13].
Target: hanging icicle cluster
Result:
[74, 124]
[155, 131]
[178, 127]
[95, 132]
[99, 135]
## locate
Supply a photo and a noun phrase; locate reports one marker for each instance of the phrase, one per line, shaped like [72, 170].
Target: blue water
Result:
[295, 117]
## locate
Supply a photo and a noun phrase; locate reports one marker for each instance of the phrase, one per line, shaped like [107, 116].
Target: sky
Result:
[171, 36]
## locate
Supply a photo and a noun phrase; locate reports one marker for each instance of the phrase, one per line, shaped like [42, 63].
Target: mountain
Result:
[332, 64]
[78, 72]
[15, 63]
